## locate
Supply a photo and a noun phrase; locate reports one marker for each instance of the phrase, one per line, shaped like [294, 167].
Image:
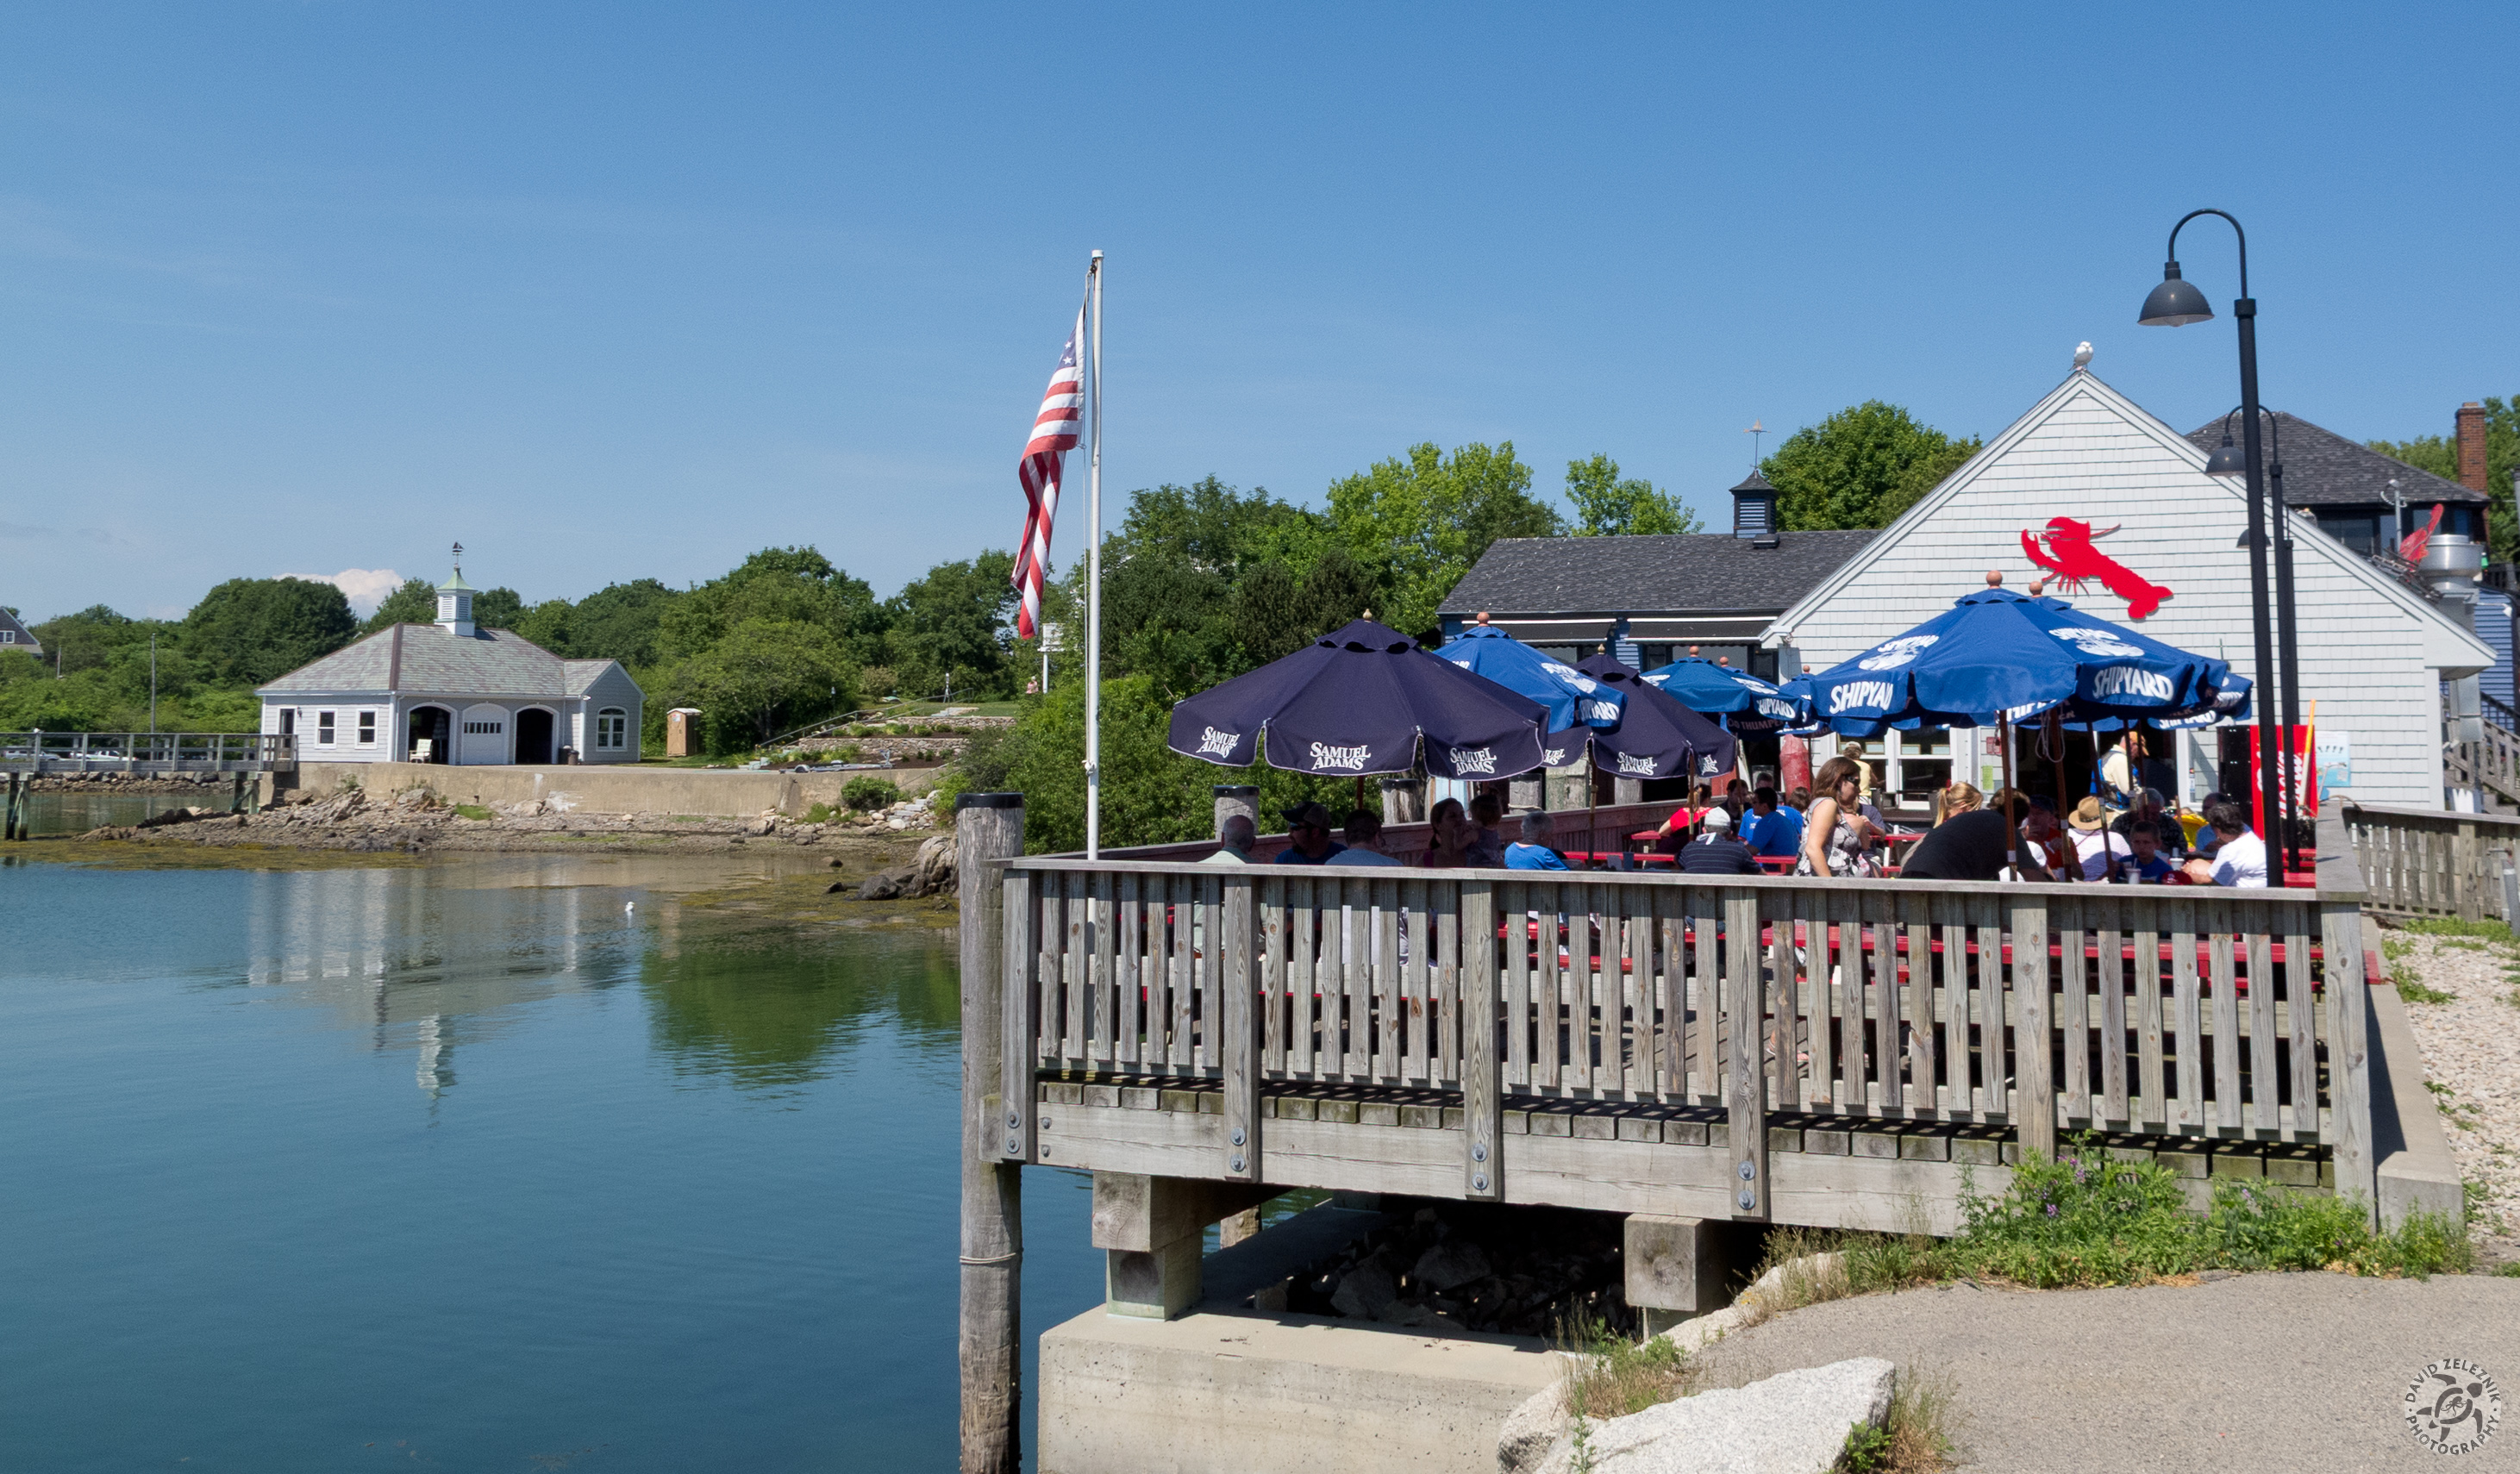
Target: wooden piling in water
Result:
[13, 818]
[988, 826]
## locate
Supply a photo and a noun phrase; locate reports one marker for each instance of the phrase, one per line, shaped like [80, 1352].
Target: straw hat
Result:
[2087, 814]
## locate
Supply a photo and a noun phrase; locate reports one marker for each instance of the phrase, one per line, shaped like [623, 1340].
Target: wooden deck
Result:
[1832, 1052]
[146, 753]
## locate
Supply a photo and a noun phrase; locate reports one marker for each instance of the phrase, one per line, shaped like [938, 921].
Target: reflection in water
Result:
[766, 1011]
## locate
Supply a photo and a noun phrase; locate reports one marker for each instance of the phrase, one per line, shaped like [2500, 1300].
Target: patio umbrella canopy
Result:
[2002, 654]
[1571, 697]
[1359, 701]
[1746, 705]
[1657, 738]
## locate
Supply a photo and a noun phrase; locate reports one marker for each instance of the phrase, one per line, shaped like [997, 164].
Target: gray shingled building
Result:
[452, 692]
[1651, 597]
[15, 635]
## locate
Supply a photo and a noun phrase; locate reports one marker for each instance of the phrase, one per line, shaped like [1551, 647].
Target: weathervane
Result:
[1754, 433]
[459, 558]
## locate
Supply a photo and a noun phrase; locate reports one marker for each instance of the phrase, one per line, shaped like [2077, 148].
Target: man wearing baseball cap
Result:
[1717, 852]
[1308, 835]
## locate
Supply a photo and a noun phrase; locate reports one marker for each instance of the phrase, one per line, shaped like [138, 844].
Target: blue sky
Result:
[611, 291]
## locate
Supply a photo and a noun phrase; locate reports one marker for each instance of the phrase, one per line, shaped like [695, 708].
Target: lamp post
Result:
[2175, 303]
[2227, 461]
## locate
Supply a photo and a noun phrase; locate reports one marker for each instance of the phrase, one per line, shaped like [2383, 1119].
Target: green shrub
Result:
[868, 794]
[819, 813]
[471, 811]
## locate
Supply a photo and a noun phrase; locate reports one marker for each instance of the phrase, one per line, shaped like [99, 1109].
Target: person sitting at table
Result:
[2146, 809]
[2239, 858]
[1364, 828]
[1487, 811]
[1774, 830]
[1833, 832]
[1972, 842]
[2046, 845]
[2201, 839]
[2144, 857]
[1234, 841]
[1450, 837]
[1717, 852]
[2097, 849]
[1308, 835]
[1681, 822]
[1736, 801]
[1532, 852]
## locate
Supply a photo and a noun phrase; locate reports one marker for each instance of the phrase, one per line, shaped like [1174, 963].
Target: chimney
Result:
[2471, 446]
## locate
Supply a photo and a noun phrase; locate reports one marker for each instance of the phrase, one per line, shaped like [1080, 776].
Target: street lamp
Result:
[2175, 303]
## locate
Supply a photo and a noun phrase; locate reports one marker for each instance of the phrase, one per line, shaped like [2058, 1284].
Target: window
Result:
[323, 729]
[611, 728]
[485, 729]
[8, 637]
[367, 728]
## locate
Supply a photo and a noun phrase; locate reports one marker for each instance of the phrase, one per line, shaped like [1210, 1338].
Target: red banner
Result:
[2304, 771]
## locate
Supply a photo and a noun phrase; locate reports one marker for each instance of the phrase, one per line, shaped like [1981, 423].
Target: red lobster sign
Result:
[2071, 558]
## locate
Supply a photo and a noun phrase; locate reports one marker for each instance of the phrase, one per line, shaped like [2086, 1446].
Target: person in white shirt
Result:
[1235, 840]
[1364, 828]
[2096, 846]
[2239, 860]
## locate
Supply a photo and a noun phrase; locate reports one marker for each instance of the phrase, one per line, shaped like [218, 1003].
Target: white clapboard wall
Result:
[2374, 651]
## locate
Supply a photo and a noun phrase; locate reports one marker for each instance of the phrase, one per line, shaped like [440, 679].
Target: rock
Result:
[1451, 1265]
[1793, 1423]
[933, 866]
[1402, 1312]
[1696, 1331]
[836, 862]
[835, 887]
[886, 885]
[761, 826]
[1532, 1431]
[1809, 1270]
[1363, 1291]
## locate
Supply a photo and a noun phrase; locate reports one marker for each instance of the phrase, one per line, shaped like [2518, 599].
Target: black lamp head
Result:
[2228, 460]
[2175, 303]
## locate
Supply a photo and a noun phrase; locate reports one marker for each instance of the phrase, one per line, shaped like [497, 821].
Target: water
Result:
[467, 1167]
[75, 813]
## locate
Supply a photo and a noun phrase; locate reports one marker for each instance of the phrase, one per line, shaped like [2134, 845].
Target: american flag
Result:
[1054, 435]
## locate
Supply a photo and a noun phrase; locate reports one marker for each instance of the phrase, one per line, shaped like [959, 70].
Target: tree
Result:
[415, 602]
[1417, 524]
[952, 624]
[498, 609]
[620, 622]
[2438, 454]
[251, 630]
[762, 678]
[1606, 506]
[792, 584]
[1860, 468]
[87, 639]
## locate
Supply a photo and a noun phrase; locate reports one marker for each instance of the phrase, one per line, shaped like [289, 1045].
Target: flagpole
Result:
[1094, 567]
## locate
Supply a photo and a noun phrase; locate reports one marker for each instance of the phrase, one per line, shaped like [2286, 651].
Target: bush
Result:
[819, 813]
[864, 794]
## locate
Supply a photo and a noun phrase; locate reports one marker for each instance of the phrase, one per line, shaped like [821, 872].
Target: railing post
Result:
[1482, 1072]
[2033, 1079]
[988, 826]
[1745, 1075]
[1238, 1041]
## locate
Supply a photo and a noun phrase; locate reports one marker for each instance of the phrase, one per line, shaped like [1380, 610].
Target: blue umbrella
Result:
[1746, 704]
[1358, 701]
[1571, 697]
[1658, 736]
[1997, 653]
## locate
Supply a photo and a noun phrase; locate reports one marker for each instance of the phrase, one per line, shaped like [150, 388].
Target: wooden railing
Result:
[145, 752]
[2431, 862]
[2170, 1011]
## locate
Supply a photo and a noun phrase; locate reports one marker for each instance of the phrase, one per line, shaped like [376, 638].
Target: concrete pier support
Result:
[1149, 1227]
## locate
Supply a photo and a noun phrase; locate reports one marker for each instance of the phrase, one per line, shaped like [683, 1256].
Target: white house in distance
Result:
[2087, 461]
[449, 693]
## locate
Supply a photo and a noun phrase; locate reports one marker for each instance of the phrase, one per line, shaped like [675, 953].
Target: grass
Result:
[471, 811]
[2453, 926]
[2088, 1219]
[1915, 1439]
[2459, 1113]
[820, 814]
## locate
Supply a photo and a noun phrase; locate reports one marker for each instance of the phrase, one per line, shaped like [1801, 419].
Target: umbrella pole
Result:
[1593, 810]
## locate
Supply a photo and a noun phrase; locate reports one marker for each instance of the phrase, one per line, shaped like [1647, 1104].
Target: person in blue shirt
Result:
[2143, 838]
[1772, 830]
[1534, 852]
[1308, 836]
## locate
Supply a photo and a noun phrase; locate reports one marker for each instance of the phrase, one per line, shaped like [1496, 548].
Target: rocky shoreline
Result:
[138, 783]
[417, 824]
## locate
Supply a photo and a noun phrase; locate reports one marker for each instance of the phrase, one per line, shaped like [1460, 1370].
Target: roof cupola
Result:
[1754, 511]
[455, 600]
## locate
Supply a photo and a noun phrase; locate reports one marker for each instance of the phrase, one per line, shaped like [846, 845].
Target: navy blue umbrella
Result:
[1746, 704]
[1573, 699]
[1997, 653]
[1358, 701]
[1657, 738]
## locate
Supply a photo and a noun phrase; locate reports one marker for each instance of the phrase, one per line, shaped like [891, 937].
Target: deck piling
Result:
[988, 828]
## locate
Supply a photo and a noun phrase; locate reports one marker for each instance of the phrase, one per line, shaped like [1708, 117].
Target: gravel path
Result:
[2275, 1372]
[2471, 1047]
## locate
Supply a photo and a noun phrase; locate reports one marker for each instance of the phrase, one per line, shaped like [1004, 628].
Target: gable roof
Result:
[25, 640]
[2445, 647]
[431, 659]
[2323, 469]
[1682, 572]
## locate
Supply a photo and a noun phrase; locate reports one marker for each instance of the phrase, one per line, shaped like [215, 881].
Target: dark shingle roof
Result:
[430, 658]
[1672, 573]
[2323, 469]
